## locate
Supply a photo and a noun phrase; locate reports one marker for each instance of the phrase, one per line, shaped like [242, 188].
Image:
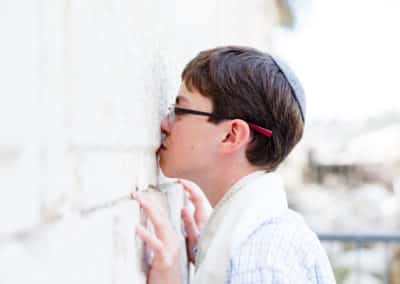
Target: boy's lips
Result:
[162, 144]
[162, 147]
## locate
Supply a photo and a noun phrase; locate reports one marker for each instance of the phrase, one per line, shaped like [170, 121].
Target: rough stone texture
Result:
[83, 87]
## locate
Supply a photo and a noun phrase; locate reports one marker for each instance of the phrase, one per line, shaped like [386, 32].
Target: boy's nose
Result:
[164, 124]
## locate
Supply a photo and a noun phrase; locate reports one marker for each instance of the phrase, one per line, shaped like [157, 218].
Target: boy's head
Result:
[244, 83]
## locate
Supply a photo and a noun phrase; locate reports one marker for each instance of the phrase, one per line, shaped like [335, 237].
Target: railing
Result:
[363, 240]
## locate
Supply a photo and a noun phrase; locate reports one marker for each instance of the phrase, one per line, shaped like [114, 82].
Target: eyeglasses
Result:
[173, 111]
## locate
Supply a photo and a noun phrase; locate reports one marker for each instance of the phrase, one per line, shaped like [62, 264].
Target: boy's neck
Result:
[216, 184]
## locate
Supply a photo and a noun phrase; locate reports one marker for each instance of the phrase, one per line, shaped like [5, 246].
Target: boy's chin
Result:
[165, 172]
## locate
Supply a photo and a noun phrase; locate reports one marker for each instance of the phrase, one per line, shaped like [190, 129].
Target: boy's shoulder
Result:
[287, 235]
[284, 246]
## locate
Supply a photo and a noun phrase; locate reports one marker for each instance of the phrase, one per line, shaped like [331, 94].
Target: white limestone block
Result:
[108, 175]
[19, 199]
[75, 250]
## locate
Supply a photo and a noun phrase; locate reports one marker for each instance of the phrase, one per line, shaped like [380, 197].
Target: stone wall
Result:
[84, 85]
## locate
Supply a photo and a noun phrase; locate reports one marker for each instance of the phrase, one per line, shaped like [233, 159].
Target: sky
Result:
[347, 55]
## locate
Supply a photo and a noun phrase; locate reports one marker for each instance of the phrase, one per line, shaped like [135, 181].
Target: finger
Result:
[149, 239]
[191, 228]
[202, 206]
[194, 194]
[159, 223]
[192, 233]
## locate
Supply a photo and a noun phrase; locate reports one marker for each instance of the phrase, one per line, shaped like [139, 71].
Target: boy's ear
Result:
[237, 136]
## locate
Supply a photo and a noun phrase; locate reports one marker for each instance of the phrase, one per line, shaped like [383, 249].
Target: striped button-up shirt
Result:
[282, 250]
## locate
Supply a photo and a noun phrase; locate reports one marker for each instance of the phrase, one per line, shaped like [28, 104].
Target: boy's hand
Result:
[194, 222]
[165, 265]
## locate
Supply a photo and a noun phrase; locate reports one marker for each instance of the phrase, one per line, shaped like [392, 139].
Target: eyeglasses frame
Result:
[178, 110]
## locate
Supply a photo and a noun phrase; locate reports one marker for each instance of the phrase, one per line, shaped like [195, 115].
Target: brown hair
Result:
[247, 84]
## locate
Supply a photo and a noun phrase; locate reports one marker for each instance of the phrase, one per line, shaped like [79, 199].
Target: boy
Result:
[238, 114]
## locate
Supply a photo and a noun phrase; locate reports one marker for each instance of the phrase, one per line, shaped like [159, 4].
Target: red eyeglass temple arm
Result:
[261, 130]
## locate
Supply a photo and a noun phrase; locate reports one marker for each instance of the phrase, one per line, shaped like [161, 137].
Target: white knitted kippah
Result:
[294, 83]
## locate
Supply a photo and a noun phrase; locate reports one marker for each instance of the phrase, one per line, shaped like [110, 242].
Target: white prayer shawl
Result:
[251, 201]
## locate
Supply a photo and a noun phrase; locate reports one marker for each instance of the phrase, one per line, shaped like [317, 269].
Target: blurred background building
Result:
[344, 176]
